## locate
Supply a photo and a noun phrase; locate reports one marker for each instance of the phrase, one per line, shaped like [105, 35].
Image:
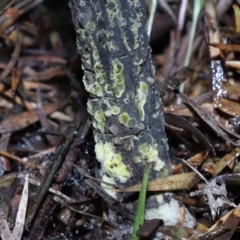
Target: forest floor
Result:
[43, 105]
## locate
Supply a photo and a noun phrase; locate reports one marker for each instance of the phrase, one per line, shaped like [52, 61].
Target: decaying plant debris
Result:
[47, 156]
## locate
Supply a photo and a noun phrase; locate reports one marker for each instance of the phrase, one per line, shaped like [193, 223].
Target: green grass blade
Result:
[139, 217]
[237, 17]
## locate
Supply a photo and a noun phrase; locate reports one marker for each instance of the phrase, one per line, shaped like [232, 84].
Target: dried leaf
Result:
[210, 190]
[179, 232]
[190, 129]
[230, 89]
[208, 119]
[197, 159]
[20, 220]
[186, 112]
[47, 74]
[173, 81]
[221, 164]
[233, 64]
[175, 182]
[13, 60]
[148, 228]
[237, 17]
[229, 106]
[226, 47]
[216, 195]
[17, 159]
[17, 122]
[214, 234]
[4, 228]
[230, 221]
[15, 79]
[211, 35]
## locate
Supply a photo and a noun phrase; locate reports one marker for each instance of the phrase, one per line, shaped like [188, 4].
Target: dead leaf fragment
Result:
[175, 182]
[19, 121]
[229, 106]
[231, 89]
[223, 162]
[226, 47]
[20, 220]
[231, 219]
[4, 228]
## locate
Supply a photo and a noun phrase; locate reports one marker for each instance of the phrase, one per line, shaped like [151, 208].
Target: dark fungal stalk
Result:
[124, 103]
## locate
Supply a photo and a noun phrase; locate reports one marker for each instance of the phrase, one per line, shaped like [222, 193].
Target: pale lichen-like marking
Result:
[112, 46]
[134, 28]
[124, 119]
[94, 88]
[112, 10]
[111, 161]
[115, 110]
[90, 107]
[100, 73]
[151, 80]
[110, 190]
[100, 119]
[140, 99]
[90, 26]
[108, 89]
[150, 153]
[119, 82]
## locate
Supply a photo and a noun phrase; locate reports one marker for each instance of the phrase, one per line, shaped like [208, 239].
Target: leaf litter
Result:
[204, 129]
